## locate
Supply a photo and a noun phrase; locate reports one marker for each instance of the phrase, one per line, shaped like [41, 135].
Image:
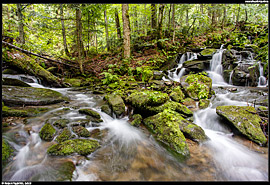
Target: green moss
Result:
[245, 120]
[75, 82]
[6, 111]
[137, 120]
[141, 99]
[64, 135]
[167, 132]
[90, 112]
[47, 132]
[14, 82]
[177, 95]
[81, 131]
[6, 151]
[203, 103]
[208, 52]
[116, 103]
[81, 146]
[61, 123]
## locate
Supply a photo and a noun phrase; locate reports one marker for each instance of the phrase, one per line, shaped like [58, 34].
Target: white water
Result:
[263, 82]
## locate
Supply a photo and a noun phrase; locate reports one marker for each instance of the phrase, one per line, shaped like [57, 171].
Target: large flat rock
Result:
[16, 96]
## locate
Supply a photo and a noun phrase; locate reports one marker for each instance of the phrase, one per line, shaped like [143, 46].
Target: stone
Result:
[16, 96]
[47, 132]
[64, 135]
[81, 131]
[208, 52]
[14, 82]
[92, 115]
[196, 65]
[137, 120]
[106, 108]
[61, 123]
[81, 146]
[116, 103]
[245, 120]
[177, 95]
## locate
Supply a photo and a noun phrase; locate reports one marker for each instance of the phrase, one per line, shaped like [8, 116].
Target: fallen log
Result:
[40, 56]
[18, 59]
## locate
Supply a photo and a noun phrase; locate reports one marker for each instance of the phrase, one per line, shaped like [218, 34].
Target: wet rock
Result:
[6, 151]
[137, 120]
[116, 103]
[166, 130]
[245, 120]
[196, 86]
[203, 103]
[6, 111]
[81, 146]
[81, 131]
[47, 132]
[157, 75]
[64, 135]
[14, 82]
[14, 95]
[177, 95]
[208, 52]
[93, 115]
[196, 65]
[61, 123]
[106, 108]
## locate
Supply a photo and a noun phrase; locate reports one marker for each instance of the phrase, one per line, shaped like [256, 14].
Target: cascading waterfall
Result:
[262, 80]
[174, 74]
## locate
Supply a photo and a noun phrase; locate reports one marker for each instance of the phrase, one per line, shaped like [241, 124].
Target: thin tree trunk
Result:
[20, 26]
[153, 16]
[224, 17]
[63, 30]
[117, 24]
[126, 30]
[160, 20]
[173, 20]
[169, 18]
[80, 47]
[187, 18]
[106, 30]
[145, 21]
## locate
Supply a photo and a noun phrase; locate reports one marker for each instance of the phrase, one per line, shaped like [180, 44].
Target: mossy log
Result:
[20, 60]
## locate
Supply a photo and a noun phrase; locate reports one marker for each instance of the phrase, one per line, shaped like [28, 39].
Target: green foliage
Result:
[109, 78]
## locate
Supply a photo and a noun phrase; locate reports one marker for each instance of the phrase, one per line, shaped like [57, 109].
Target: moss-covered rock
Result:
[61, 123]
[137, 120]
[196, 65]
[93, 115]
[203, 103]
[81, 131]
[116, 103]
[182, 109]
[6, 111]
[141, 99]
[245, 120]
[47, 132]
[106, 108]
[167, 131]
[81, 146]
[197, 86]
[208, 52]
[6, 151]
[74, 82]
[14, 82]
[64, 135]
[14, 95]
[177, 95]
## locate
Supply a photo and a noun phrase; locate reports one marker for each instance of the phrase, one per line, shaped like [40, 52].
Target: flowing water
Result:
[128, 153]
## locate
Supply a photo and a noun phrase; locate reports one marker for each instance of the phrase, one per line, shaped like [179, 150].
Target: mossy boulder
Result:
[6, 151]
[64, 135]
[47, 132]
[93, 115]
[61, 123]
[141, 99]
[74, 82]
[203, 103]
[80, 146]
[166, 130]
[137, 120]
[6, 111]
[182, 109]
[196, 65]
[116, 103]
[245, 120]
[14, 95]
[106, 108]
[197, 86]
[81, 131]
[177, 94]
[14, 82]
[208, 52]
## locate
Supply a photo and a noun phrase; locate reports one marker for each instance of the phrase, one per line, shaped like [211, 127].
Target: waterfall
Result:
[263, 82]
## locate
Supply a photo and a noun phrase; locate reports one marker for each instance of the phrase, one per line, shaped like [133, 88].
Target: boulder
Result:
[196, 86]
[245, 120]
[47, 132]
[166, 130]
[64, 135]
[208, 52]
[137, 120]
[196, 65]
[81, 131]
[177, 95]
[81, 146]
[14, 96]
[93, 115]
[6, 151]
[61, 123]
[116, 103]
[14, 82]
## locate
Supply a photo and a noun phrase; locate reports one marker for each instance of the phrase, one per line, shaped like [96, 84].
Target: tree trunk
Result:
[187, 18]
[63, 30]
[169, 18]
[173, 20]
[224, 17]
[106, 30]
[117, 24]
[160, 20]
[20, 26]
[145, 21]
[80, 47]
[126, 30]
[213, 16]
[153, 16]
